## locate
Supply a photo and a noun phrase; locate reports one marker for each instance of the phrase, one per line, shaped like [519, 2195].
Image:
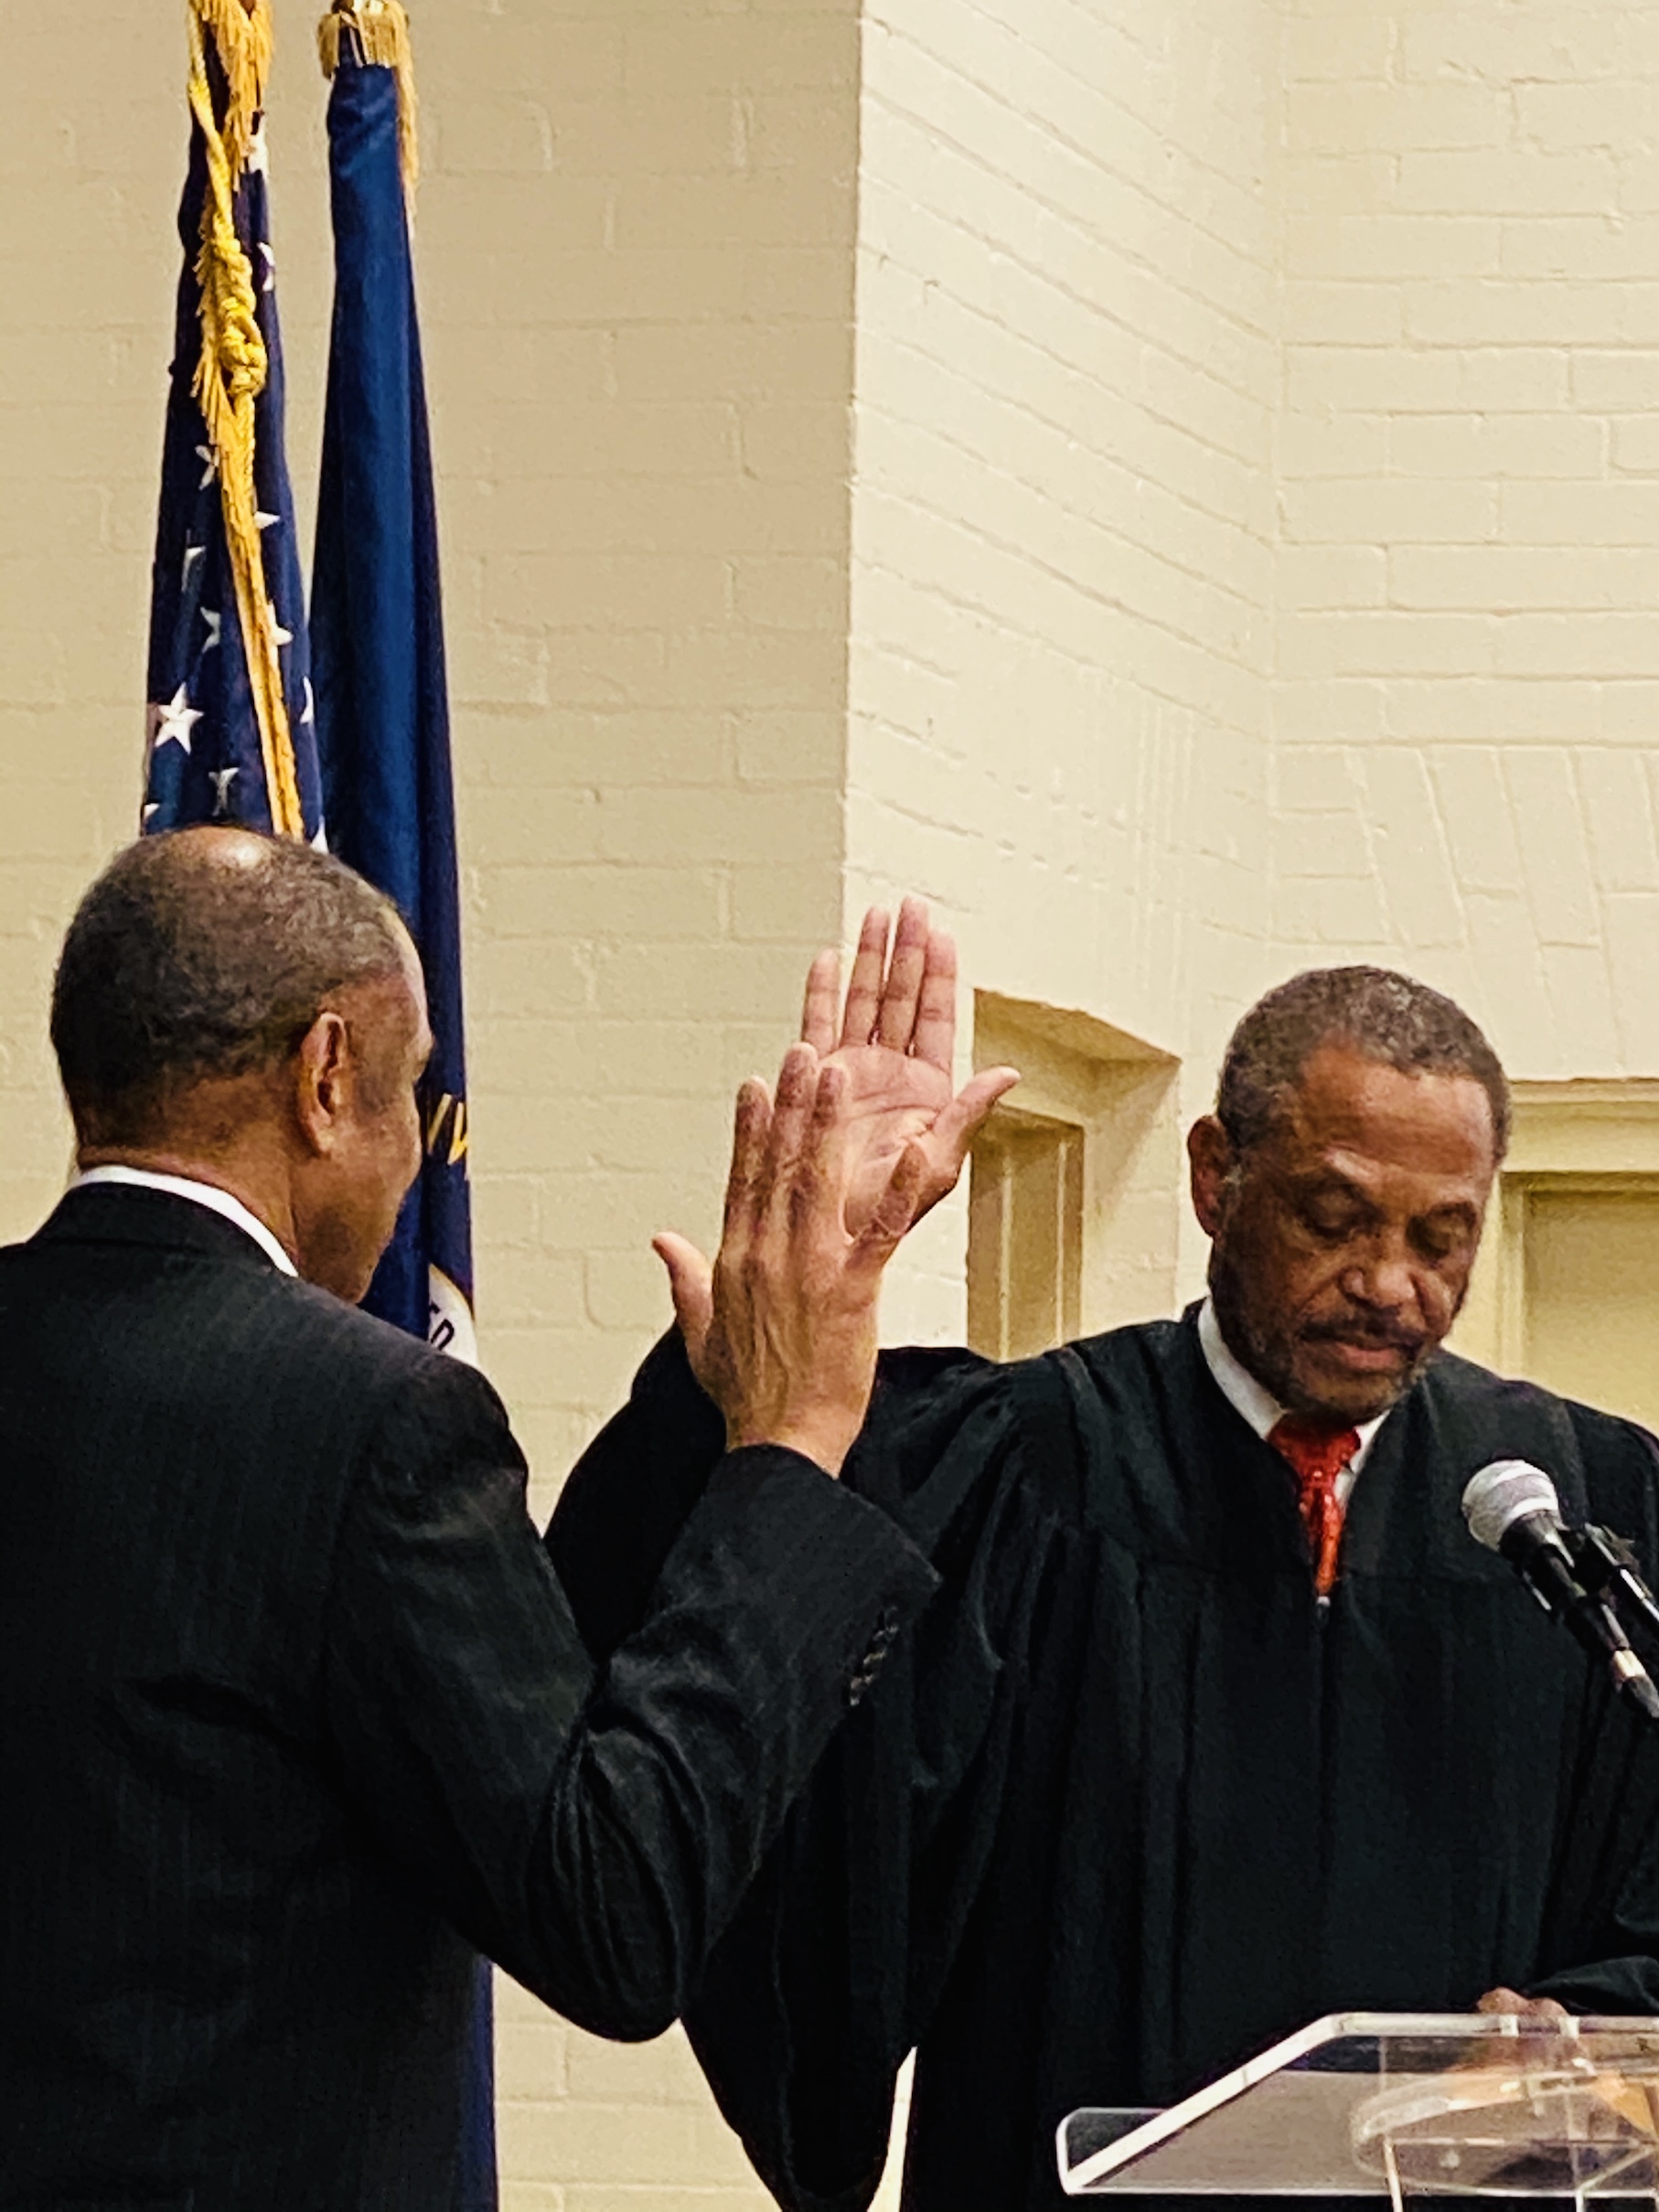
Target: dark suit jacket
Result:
[294, 1719]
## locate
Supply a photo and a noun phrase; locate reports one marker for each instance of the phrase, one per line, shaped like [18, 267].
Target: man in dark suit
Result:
[295, 1718]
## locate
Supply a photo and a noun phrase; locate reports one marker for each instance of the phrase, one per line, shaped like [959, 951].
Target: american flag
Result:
[231, 723]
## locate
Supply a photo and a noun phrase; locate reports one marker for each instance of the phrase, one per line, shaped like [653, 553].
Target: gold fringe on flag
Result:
[241, 45]
[231, 372]
[382, 30]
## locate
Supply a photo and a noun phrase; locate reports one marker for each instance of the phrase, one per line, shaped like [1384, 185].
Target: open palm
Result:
[895, 1037]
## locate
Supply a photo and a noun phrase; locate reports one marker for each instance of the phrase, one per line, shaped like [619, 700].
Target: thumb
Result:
[692, 1286]
[968, 1113]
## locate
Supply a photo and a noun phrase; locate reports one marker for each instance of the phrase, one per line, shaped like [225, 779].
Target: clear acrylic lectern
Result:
[1398, 2104]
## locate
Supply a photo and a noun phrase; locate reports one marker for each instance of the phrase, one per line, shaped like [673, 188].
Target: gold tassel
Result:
[231, 371]
[382, 30]
[241, 41]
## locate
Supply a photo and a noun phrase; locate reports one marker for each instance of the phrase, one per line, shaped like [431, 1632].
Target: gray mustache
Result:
[1368, 1335]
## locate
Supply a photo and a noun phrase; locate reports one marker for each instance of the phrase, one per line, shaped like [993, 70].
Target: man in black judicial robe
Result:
[1132, 1803]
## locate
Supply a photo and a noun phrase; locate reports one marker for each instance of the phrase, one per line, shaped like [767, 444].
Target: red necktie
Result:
[1316, 1454]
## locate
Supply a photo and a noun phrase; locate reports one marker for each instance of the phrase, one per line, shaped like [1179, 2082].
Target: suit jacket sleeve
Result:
[591, 1827]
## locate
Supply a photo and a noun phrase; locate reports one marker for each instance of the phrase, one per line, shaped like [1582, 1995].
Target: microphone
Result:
[1512, 1509]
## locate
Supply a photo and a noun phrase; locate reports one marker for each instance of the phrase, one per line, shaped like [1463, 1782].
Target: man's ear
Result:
[320, 1079]
[1211, 1160]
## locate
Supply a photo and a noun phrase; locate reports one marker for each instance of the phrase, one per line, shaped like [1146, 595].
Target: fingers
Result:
[818, 1171]
[767, 1139]
[822, 1004]
[936, 1017]
[895, 1022]
[692, 1286]
[791, 1114]
[864, 989]
[751, 1122]
[788, 1337]
[1512, 2003]
[905, 1003]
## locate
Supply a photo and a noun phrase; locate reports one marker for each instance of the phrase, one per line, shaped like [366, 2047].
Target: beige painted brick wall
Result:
[86, 270]
[1062, 511]
[635, 232]
[1468, 694]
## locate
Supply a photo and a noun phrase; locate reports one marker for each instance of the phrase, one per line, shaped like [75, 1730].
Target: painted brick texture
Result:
[636, 227]
[636, 230]
[1062, 506]
[1468, 663]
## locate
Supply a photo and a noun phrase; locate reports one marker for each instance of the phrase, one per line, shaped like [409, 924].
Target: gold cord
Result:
[231, 371]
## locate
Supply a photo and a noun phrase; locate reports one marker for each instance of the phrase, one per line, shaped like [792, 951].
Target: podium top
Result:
[1398, 2104]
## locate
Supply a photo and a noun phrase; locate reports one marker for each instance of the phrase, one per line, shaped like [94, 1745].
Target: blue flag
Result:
[230, 725]
[383, 716]
[377, 642]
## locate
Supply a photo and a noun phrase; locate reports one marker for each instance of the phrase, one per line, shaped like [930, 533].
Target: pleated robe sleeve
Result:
[833, 1966]
[1603, 1934]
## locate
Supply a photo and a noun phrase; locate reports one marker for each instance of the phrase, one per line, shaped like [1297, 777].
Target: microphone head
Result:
[1506, 1491]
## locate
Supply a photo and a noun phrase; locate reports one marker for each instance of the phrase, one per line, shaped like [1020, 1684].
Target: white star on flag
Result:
[214, 622]
[263, 521]
[279, 635]
[193, 553]
[208, 457]
[259, 153]
[270, 282]
[151, 807]
[221, 780]
[309, 712]
[171, 724]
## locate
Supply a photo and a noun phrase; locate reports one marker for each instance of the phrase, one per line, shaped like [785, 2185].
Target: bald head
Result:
[203, 956]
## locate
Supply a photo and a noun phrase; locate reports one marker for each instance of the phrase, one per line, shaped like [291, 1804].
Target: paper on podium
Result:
[1396, 2105]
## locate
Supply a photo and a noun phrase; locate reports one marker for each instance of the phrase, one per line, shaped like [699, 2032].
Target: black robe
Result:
[1126, 1806]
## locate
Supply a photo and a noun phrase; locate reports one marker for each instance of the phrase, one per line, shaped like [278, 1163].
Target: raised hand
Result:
[895, 1039]
[782, 1330]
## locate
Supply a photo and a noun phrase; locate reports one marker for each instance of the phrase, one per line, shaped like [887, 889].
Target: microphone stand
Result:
[1606, 1562]
[1605, 1569]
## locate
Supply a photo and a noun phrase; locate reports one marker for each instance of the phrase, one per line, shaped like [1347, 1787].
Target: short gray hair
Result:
[1387, 1017]
[204, 952]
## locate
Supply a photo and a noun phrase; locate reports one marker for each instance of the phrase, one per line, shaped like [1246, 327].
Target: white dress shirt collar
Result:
[199, 1193]
[1258, 1407]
